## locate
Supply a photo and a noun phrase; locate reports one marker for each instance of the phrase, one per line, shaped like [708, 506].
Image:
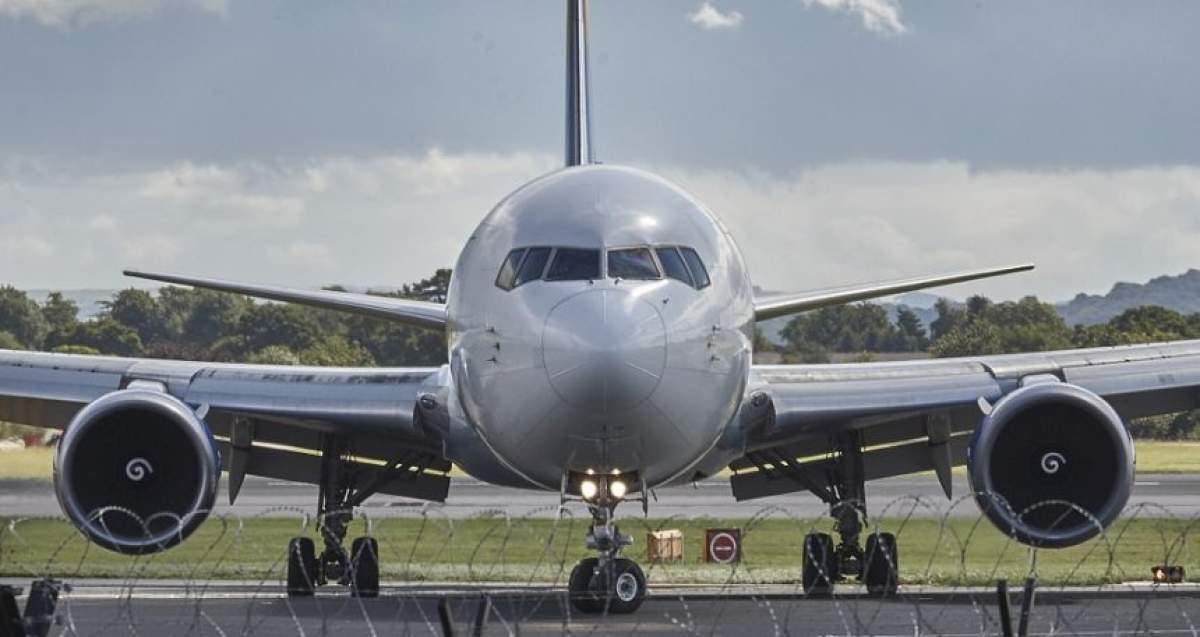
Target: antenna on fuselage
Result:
[579, 103]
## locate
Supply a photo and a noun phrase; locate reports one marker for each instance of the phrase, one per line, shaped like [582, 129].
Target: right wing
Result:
[774, 305]
[424, 314]
[282, 413]
[919, 415]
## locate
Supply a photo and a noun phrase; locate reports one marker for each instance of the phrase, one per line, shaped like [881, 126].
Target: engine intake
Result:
[1046, 454]
[137, 471]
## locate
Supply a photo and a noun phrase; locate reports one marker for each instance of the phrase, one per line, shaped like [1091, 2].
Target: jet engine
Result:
[1051, 464]
[137, 471]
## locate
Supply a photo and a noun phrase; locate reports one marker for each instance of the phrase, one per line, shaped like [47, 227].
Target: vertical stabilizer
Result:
[579, 105]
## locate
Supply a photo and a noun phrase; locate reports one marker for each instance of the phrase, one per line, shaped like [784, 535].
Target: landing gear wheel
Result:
[301, 567]
[820, 564]
[619, 586]
[882, 564]
[579, 586]
[364, 567]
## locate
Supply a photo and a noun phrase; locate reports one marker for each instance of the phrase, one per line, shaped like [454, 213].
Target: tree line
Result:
[205, 325]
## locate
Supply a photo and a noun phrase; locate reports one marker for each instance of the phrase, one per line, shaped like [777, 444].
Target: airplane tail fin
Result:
[579, 104]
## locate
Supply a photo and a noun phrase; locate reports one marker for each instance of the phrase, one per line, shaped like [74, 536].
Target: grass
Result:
[32, 463]
[958, 552]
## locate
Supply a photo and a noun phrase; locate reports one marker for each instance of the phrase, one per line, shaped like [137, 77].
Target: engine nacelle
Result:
[1044, 455]
[137, 471]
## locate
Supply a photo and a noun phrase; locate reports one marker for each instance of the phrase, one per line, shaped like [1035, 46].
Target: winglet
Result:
[783, 304]
[431, 315]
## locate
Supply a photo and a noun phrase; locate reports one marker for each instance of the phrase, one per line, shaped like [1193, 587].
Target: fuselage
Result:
[567, 365]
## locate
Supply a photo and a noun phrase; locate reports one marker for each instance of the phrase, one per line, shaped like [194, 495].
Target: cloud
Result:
[69, 14]
[708, 17]
[390, 219]
[880, 16]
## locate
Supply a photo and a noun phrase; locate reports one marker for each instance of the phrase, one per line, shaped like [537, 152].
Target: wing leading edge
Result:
[775, 305]
[421, 313]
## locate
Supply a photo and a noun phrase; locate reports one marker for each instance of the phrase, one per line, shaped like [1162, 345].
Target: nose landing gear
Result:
[608, 583]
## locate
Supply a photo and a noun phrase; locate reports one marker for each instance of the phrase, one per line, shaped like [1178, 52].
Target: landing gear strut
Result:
[608, 583]
[824, 563]
[339, 494]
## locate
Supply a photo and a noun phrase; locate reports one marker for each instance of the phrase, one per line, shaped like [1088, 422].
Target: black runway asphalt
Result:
[249, 610]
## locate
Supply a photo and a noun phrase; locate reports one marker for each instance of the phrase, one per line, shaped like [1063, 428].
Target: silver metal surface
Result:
[579, 102]
[602, 374]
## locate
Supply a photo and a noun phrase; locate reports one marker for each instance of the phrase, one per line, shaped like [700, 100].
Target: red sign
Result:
[723, 546]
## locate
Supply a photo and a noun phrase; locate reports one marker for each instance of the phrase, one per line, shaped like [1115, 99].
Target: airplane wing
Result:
[278, 415]
[424, 314]
[917, 416]
[770, 306]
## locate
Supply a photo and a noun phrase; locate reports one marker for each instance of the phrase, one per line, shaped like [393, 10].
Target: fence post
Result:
[481, 615]
[11, 624]
[1005, 614]
[1026, 606]
[446, 617]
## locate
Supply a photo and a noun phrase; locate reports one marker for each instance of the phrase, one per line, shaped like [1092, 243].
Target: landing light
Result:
[617, 489]
[587, 489]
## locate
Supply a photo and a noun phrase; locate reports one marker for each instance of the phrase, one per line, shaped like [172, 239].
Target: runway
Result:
[227, 609]
[1157, 495]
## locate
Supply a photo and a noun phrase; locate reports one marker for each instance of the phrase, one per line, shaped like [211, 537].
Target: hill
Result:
[1180, 293]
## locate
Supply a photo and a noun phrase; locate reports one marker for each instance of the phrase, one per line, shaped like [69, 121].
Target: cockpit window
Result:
[574, 264]
[632, 263]
[673, 264]
[508, 271]
[533, 265]
[699, 274]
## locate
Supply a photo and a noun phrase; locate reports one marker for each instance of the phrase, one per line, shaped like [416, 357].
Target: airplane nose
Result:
[604, 350]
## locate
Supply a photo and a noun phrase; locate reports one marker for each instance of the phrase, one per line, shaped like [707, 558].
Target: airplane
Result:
[599, 325]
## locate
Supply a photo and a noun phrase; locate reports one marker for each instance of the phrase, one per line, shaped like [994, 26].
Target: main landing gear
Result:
[825, 563]
[607, 583]
[358, 568]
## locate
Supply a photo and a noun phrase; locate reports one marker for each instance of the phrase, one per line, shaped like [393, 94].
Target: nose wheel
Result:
[608, 583]
[617, 586]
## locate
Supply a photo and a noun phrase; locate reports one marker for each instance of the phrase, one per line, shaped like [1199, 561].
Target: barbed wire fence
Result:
[495, 573]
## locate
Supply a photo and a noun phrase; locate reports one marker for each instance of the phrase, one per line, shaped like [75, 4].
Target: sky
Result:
[308, 143]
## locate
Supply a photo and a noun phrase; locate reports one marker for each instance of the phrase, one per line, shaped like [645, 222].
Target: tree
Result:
[104, 335]
[974, 338]
[60, 312]
[948, 317]
[336, 351]
[213, 315]
[273, 355]
[909, 331]
[8, 341]
[434, 289]
[274, 324]
[21, 317]
[139, 310]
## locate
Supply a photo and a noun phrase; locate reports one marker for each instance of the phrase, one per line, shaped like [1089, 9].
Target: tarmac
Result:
[249, 608]
[920, 496]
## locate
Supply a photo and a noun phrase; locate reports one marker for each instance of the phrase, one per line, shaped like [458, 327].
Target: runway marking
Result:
[1147, 484]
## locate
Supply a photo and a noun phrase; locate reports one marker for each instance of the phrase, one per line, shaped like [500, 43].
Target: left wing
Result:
[774, 305]
[918, 415]
[270, 420]
[424, 314]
